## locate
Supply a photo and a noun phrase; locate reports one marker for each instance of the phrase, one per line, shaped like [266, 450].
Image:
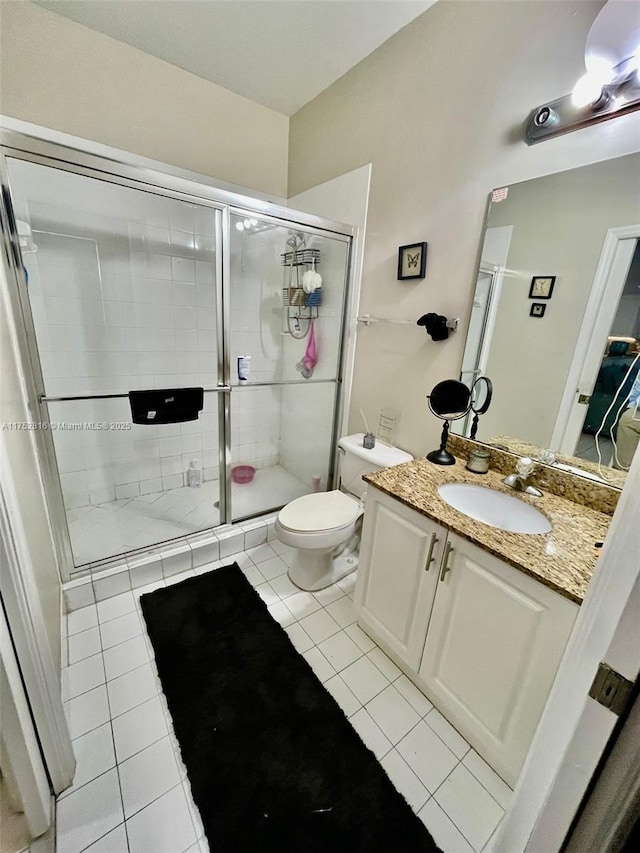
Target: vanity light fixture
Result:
[611, 85]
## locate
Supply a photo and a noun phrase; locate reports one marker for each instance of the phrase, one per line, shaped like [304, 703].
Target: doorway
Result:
[616, 374]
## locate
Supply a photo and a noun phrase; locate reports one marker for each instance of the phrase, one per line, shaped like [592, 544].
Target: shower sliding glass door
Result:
[121, 288]
[125, 284]
[288, 288]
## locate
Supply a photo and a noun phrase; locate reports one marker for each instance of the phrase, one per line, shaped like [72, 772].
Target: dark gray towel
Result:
[166, 405]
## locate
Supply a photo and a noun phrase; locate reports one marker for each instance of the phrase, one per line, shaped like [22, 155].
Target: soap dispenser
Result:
[194, 474]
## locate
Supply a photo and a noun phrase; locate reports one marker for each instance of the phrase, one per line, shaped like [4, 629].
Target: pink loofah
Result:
[311, 354]
[310, 358]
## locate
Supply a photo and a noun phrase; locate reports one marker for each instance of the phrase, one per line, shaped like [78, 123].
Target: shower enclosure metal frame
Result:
[33, 149]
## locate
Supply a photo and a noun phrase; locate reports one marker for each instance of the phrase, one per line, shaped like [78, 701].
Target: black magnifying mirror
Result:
[449, 400]
[481, 394]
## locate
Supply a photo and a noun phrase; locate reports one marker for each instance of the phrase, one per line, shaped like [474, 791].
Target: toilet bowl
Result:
[324, 527]
[324, 530]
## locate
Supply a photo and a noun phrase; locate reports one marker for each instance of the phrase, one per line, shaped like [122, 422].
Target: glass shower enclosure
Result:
[127, 280]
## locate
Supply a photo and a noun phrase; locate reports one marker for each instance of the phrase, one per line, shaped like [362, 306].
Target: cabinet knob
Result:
[448, 551]
[430, 557]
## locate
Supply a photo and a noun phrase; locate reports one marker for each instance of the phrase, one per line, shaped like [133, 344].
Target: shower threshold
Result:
[117, 527]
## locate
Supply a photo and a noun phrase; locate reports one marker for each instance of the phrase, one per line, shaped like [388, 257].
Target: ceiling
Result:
[279, 53]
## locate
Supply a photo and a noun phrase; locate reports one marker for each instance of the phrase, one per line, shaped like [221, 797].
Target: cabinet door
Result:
[397, 575]
[495, 640]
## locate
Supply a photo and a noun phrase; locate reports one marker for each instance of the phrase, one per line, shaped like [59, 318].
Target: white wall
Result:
[439, 111]
[65, 76]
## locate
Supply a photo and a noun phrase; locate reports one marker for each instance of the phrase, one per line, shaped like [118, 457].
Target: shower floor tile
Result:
[462, 803]
[113, 528]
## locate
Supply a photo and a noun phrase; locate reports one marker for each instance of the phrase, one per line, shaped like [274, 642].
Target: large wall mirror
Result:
[555, 321]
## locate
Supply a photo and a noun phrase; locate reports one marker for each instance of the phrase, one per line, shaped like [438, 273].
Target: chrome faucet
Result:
[525, 467]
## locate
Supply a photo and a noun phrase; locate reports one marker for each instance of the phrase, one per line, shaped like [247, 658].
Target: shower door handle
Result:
[45, 398]
[430, 557]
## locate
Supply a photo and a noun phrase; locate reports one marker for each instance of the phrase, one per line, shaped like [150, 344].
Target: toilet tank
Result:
[356, 460]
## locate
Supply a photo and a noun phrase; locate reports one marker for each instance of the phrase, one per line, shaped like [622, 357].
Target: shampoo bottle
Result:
[244, 368]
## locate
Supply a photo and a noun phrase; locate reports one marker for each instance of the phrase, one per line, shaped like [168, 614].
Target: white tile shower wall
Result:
[307, 424]
[307, 411]
[258, 318]
[125, 299]
[255, 426]
[255, 330]
[120, 300]
[99, 465]
[258, 329]
[256, 299]
[113, 312]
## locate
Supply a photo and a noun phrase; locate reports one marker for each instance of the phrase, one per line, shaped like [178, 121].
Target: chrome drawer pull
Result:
[431, 558]
[445, 563]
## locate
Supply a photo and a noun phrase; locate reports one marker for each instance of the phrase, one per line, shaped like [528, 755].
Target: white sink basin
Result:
[494, 508]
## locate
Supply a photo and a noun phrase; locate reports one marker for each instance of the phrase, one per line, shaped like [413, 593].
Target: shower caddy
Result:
[298, 304]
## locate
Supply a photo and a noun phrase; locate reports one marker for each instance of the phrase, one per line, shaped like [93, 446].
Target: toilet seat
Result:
[319, 512]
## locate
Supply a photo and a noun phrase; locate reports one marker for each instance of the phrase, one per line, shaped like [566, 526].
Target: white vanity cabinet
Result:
[482, 639]
[493, 645]
[401, 552]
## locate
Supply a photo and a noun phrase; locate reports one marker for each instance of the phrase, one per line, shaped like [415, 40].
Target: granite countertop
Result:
[610, 476]
[563, 559]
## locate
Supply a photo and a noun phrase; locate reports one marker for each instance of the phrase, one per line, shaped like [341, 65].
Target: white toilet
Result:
[324, 527]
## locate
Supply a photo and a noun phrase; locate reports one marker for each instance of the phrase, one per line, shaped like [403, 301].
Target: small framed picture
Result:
[542, 287]
[537, 309]
[412, 261]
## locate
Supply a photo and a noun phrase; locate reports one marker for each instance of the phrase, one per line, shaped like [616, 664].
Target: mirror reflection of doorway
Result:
[479, 332]
[616, 373]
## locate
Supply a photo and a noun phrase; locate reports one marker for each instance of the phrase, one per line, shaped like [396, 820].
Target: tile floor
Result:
[586, 448]
[113, 528]
[131, 793]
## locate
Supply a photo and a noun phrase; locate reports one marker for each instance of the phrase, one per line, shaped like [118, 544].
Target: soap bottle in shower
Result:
[194, 474]
[244, 368]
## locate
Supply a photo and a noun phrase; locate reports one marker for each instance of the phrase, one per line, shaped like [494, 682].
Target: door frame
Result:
[604, 298]
[611, 807]
[25, 619]
[574, 729]
[20, 757]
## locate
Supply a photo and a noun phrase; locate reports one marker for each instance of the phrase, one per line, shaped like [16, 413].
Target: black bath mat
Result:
[274, 764]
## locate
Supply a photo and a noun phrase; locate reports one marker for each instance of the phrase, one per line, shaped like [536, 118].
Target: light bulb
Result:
[247, 223]
[240, 226]
[587, 91]
[600, 69]
[253, 222]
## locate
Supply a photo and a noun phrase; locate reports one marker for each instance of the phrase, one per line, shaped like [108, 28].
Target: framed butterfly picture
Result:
[412, 261]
